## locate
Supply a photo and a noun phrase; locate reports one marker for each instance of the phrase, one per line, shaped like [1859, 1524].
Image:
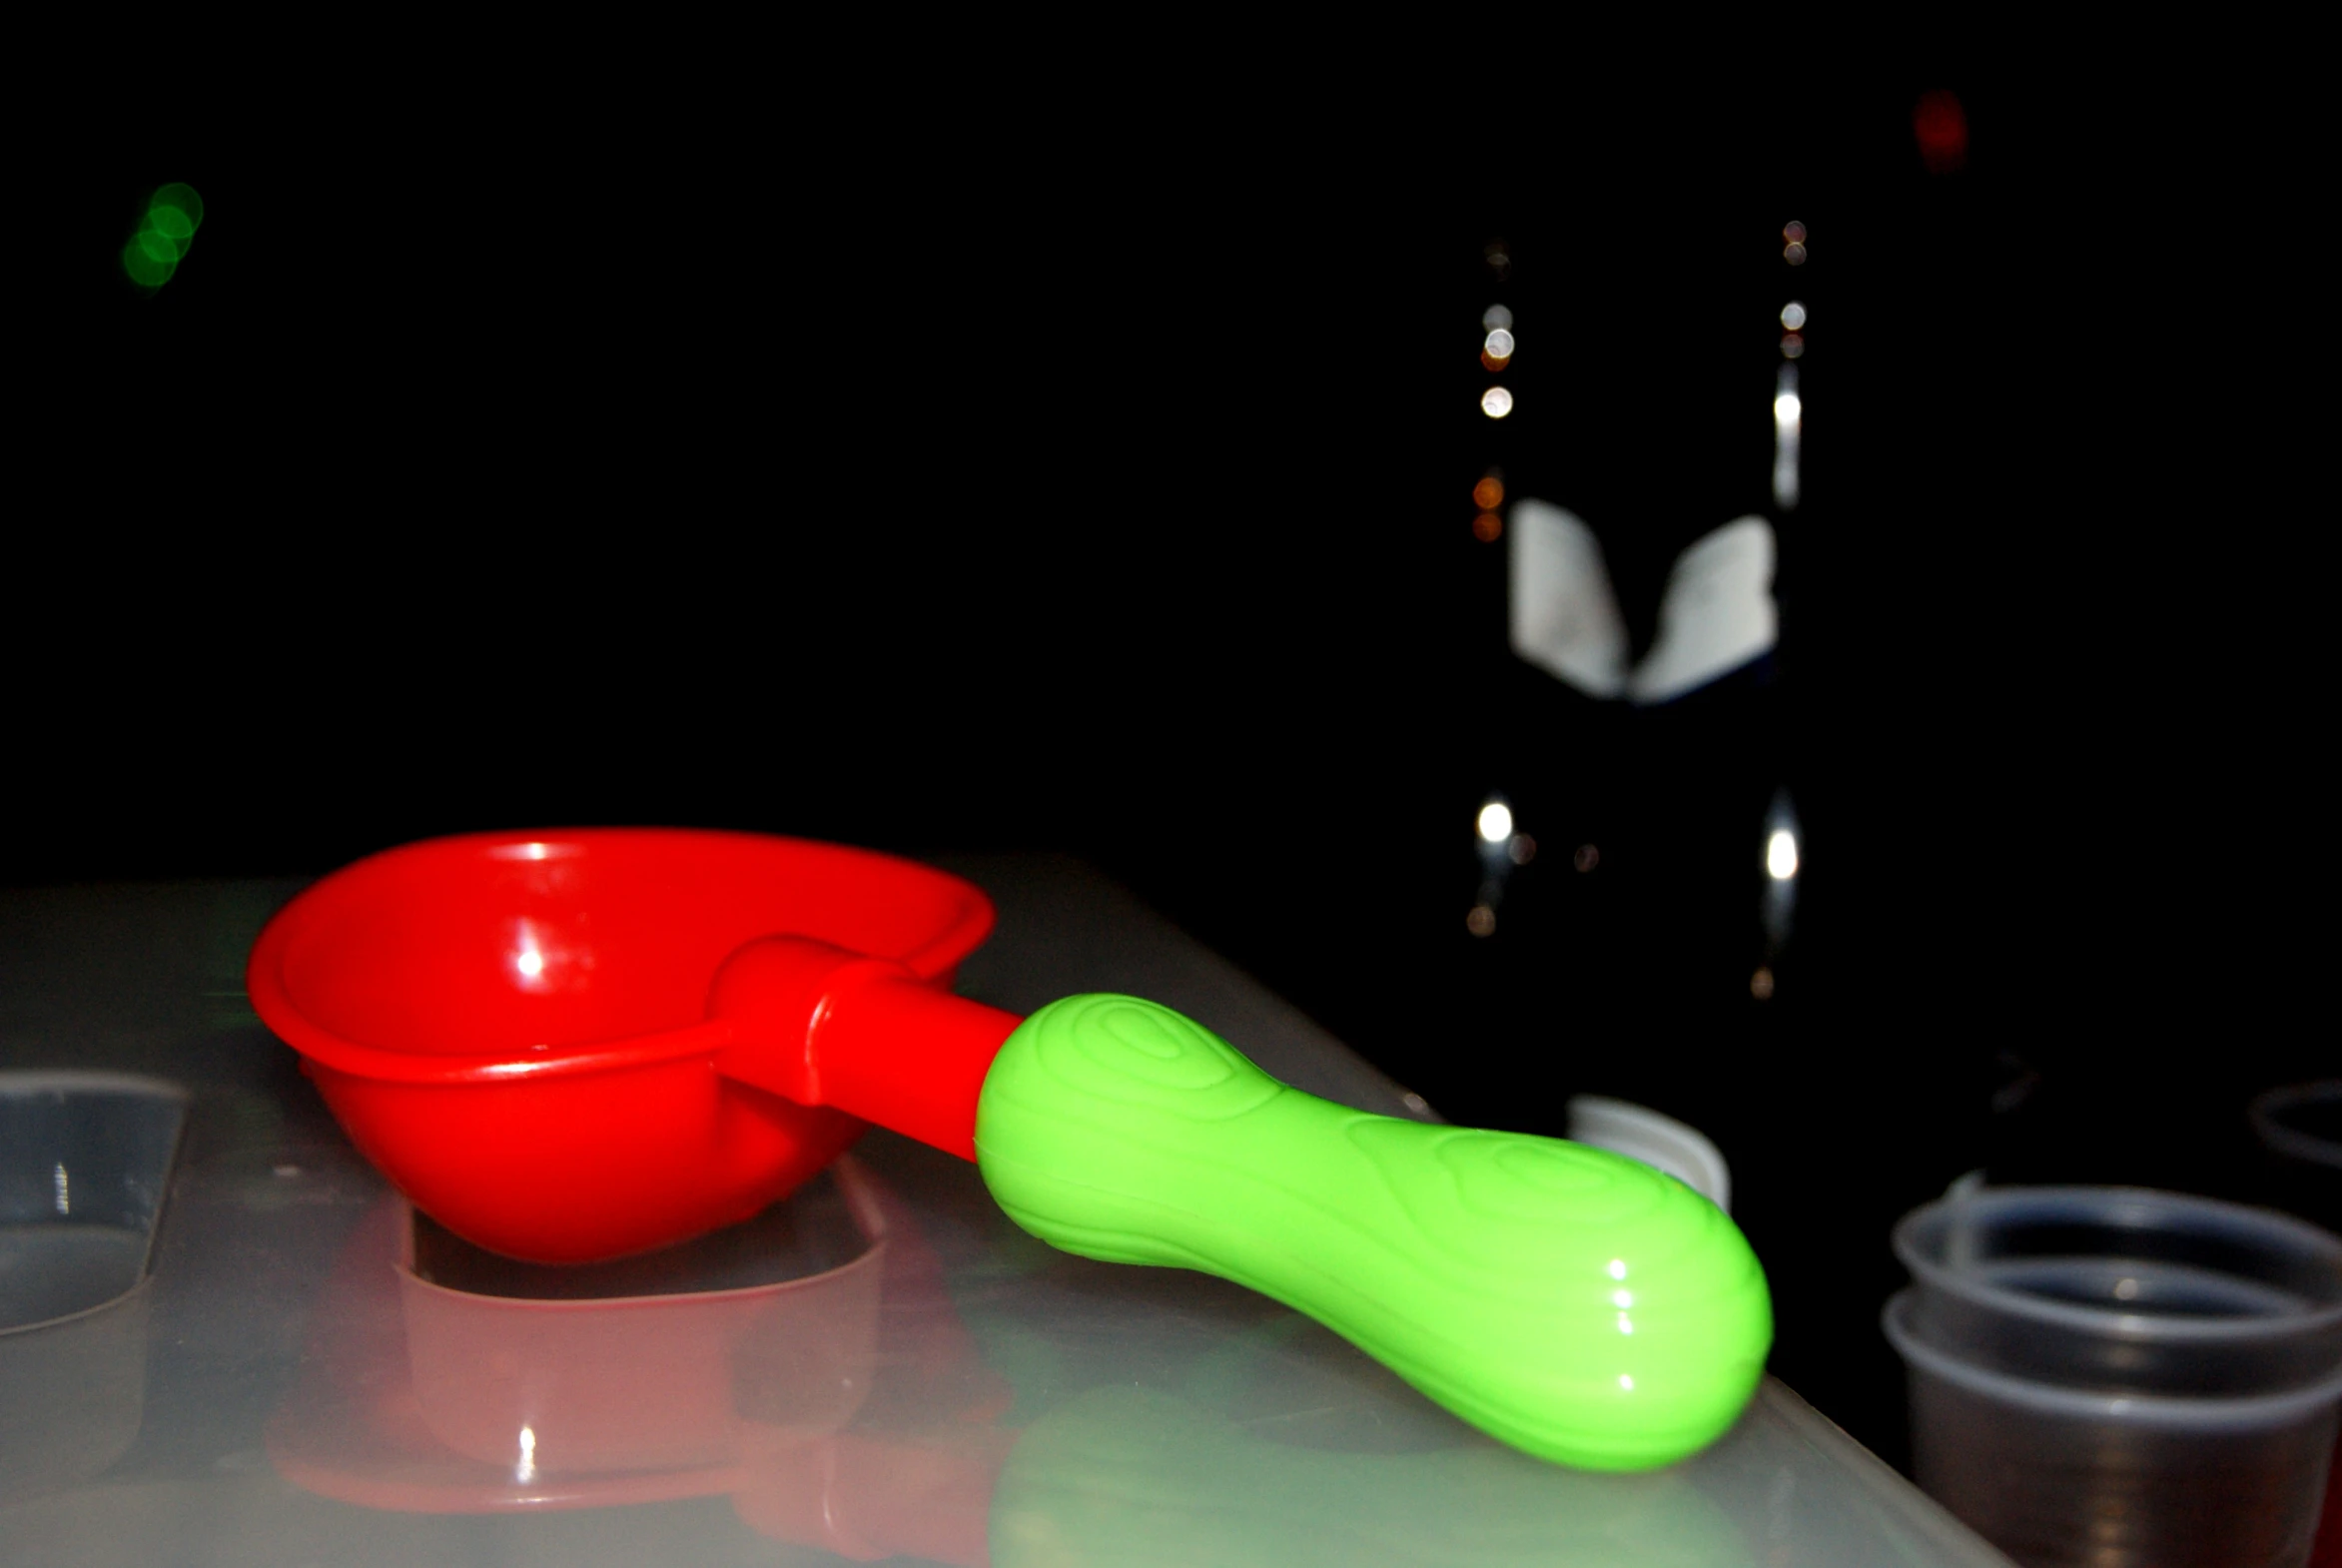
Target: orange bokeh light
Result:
[1488, 495]
[1487, 527]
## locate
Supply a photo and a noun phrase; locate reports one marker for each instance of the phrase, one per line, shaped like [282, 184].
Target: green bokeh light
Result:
[184, 197]
[173, 214]
[143, 268]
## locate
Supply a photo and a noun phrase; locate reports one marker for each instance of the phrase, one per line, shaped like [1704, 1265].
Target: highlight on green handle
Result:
[164, 235]
[1573, 1302]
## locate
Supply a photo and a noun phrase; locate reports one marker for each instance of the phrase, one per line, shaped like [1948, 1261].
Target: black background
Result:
[1034, 474]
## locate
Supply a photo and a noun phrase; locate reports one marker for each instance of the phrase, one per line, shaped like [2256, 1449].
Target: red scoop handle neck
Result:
[822, 1025]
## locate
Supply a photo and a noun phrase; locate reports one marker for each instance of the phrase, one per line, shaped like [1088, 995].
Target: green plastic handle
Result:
[1573, 1302]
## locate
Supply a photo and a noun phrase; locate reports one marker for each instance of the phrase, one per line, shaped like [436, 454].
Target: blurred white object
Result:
[1716, 615]
[1640, 1133]
[1565, 618]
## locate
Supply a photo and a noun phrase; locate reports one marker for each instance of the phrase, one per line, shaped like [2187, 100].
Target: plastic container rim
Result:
[1935, 1277]
[87, 1081]
[2259, 1411]
[2283, 1139]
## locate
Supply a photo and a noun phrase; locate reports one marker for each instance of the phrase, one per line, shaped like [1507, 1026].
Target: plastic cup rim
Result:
[2105, 1322]
[21, 1084]
[2265, 1410]
[2279, 1138]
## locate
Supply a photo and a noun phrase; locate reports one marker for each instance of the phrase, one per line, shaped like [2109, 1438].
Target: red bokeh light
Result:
[1940, 125]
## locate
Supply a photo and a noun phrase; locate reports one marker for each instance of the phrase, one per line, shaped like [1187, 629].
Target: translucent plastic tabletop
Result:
[879, 1368]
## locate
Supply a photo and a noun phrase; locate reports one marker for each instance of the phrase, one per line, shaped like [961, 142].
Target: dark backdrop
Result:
[1103, 484]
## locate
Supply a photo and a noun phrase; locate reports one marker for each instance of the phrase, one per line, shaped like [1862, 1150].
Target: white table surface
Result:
[280, 1393]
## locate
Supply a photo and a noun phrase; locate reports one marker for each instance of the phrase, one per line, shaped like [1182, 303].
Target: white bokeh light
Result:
[1781, 855]
[1496, 402]
[1788, 417]
[1495, 822]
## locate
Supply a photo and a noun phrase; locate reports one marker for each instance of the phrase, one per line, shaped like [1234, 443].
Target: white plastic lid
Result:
[1640, 1133]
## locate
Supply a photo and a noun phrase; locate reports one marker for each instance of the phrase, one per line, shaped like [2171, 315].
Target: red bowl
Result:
[514, 1026]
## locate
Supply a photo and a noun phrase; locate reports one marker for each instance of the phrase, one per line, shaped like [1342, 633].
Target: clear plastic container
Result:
[85, 1159]
[2114, 1376]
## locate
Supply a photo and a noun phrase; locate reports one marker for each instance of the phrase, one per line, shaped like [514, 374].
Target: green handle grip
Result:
[1573, 1302]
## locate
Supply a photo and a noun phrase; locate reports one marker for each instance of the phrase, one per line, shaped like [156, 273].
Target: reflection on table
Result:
[823, 1369]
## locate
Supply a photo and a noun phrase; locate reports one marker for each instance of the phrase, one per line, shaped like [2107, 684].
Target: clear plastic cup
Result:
[2111, 1376]
[85, 1159]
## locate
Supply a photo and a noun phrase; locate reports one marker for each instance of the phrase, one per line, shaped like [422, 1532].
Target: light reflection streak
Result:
[529, 956]
[1788, 423]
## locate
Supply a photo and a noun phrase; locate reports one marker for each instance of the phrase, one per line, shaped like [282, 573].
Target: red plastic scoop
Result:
[610, 1100]
[575, 1046]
